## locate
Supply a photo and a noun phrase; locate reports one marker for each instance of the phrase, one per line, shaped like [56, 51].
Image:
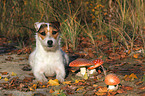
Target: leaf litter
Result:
[131, 72]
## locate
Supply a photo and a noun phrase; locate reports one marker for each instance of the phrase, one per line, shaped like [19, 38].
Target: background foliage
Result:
[84, 23]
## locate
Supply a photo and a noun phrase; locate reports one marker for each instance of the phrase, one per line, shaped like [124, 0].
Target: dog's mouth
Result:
[50, 46]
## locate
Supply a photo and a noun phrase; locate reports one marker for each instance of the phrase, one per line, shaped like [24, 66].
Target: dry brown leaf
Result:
[127, 87]
[4, 73]
[120, 91]
[104, 89]
[114, 56]
[138, 82]
[142, 87]
[51, 91]
[100, 93]
[135, 55]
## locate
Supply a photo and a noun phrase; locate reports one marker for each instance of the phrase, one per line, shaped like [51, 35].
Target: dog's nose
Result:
[49, 42]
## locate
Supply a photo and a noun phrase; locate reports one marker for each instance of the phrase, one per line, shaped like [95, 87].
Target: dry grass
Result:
[120, 21]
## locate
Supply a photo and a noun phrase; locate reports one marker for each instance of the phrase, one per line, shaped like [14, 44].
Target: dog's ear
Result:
[37, 25]
[55, 24]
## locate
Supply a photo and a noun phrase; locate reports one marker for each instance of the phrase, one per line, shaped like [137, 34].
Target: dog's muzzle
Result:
[50, 43]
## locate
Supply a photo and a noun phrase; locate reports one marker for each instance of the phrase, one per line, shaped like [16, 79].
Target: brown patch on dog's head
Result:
[53, 30]
[43, 31]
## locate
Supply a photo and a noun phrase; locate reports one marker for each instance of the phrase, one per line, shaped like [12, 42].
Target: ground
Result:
[17, 78]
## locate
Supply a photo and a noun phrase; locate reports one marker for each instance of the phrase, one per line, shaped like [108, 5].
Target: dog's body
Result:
[48, 59]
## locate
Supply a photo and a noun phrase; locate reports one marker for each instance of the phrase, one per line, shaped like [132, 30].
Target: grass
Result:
[121, 21]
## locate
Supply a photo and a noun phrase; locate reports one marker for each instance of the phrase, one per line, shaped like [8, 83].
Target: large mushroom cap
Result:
[112, 79]
[80, 62]
[97, 63]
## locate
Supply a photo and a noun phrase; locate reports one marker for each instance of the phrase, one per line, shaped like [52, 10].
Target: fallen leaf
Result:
[34, 86]
[142, 87]
[6, 79]
[31, 88]
[114, 56]
[133, 76]
[138, 82]
[77, 81]
[28, 79]
[14, 74]
[51, 91]
[141, 93]
[135, 55]
[100, 93]
[80, 88]
[53, 82]
[4, 73]
[104, 89]
[120, 91]
[129, 51]
[67, 82]
[127, 87]
[95, 85]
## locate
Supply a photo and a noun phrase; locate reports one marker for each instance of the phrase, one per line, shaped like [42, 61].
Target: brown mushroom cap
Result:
[97, 63]
[80, 62]
[112, 79]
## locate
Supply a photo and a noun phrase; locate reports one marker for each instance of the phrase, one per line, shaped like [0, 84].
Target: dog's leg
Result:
[39, 75]
[60, 73]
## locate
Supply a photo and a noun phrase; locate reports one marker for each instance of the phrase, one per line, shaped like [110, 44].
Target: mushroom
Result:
[97, 62]
[82, 63]
[112, 81]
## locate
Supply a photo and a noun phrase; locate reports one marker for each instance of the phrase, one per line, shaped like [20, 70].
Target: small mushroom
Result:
[97, 62]
[82, 63]
[112, 81]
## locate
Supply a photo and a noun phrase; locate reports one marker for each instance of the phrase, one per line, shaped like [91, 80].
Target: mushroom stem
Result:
[92, 71]
[83, 70]
[104, 70]
[112, 87]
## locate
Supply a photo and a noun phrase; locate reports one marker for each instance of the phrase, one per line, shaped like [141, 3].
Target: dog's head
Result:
[48, 34]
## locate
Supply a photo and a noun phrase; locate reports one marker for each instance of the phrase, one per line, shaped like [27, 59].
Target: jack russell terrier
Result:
[48, 59]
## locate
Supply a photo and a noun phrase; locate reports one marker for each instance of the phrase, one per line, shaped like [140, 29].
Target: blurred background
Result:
[89, 28]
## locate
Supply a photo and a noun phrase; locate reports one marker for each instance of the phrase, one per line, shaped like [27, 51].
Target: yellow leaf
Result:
[6, 79]
[67, 82]
[0, 77]
[14, 74]
[85, 76]
[31, 89]
[77, 81]
[53, 82]
[133, 76]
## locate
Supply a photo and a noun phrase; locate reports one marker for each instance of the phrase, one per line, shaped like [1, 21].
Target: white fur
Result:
[47, 61]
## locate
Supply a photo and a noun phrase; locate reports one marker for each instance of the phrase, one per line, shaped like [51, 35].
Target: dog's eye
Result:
[43, 33]
[54, 32]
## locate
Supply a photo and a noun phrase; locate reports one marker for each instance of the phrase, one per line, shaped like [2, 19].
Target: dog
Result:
[48, 59]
